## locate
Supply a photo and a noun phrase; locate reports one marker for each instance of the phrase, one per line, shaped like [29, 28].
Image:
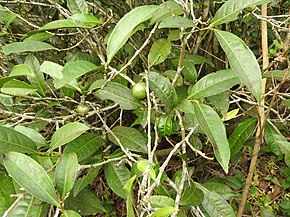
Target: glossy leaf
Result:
[164, 212]
[213, 83]
[84, 146]
[70, 213]
[67, 133]
[231, 115]
[11, 140]
[65, 173]
[142, 165]
[214, 204]
[214, 128]
[130, 138]
[25, 46]
[229, 11]
[119, 94]
[85, 203]
[77, 6]
[17, 88]
[241, 133]
[130, 197]
[31, 176]
[21, 70]
[176, 22]
[166, 10]
[35, 136]
[159, 201]
[242, 60]
[163, 88]
[164, 125]
[159, 51]
[73, 70]
[117, 176]
[125, 27]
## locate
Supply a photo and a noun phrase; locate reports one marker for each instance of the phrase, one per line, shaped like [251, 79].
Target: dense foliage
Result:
[144, 108]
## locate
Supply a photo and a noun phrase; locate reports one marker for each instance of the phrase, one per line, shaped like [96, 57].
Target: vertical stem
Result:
[261, 117]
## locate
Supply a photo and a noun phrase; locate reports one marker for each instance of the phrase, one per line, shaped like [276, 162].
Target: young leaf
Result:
[130, 138]
[28, 45]
[67, 133]
[65, 173]
[11, 140]
[176, 22]
[31, 176]
[130, 197]
[117, 176]
[70, 213]
[164, 212]
[163, 88]
[229, 11]
[215, 130]
[119, 94]
[21, 70]
[159, 51]
[17, 88]
[215, 204]
[241, 133]
[85, 203]
[142, 165]
[213, 83]
[166, 10]
[242, 60]
[77, 6]
[35, 136]
[125, 26]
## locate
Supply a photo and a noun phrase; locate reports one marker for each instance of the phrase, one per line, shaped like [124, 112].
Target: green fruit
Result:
[83, 109]
[139, 90]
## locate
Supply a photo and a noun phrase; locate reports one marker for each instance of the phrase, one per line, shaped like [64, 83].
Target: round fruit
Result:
[83, 109]
[139, 90]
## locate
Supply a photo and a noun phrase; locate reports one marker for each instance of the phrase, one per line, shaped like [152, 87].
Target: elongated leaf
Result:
[164, 212]
[225, 191]
[6, 189]
[185, 106]
[221, 102]
[166, 10]
[176, 22]
[215, 204]
[96, 84]
[73, 70]
[31, 176]
[242, 60]
[278, 74]
[77, 6]
[52, 69]
[65, 173]
[84, 146]
[188, 71]
[213, 83]
[67, 133]
[241, 133]
[130, 197]
[70, 213]
[229, 11]
[159, 201]
[159, 51]
[11, 140]
[214, 128]
[130, 138]
[142, 165]
[85, 203]
[191, 196]
[28, 45]
[117, 177]
[17, 88]
[163, 88]
[35, 136]
[125, 26]
[197, 59]
[20, 70]
[119, 94]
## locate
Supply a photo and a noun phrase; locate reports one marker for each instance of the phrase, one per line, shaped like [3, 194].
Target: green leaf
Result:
[176, 22]
[142, 165]
[28, 45]
[191, 196]
[241, 134]
[185, 106]
[73, 70]
[215, 130]
[163, 88]
[119, 94]
[84, 146]
[286, 102]
[35, 136]
[11, 140]
[166, 10]
[242, 60]
[17, 88]
[221, 102]
[159, 201]
[130, 197]
[67, 133]
[130, 138]
[117, 176]
[70, 213]
[164, 212]
[77, 6]
[96, 85]
[197, 59]
[21, 70]
[214, 204]
[31, 176]
[85, 203]
[229, 11]
[52, 69]
[84, 181]
[213, 83]
[41, 36]
[277, 74]
[225, 191]
[65, 173]
[125, 27]
[159, 51]
[6, 189]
